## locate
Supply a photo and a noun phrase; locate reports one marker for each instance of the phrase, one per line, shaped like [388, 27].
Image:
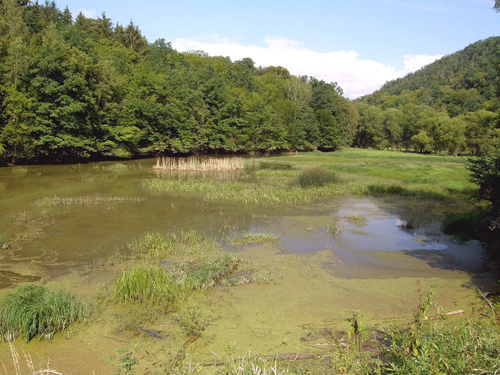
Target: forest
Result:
[77, 88]
[83, 88]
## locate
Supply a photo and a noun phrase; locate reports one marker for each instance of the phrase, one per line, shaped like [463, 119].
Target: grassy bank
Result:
[305, 178]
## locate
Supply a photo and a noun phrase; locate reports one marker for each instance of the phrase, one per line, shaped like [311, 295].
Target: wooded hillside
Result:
[448, 106]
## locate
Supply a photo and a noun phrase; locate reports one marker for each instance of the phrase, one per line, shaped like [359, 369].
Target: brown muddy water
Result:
[333, 257]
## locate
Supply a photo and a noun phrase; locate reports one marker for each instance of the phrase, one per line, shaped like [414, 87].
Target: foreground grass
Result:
[34, 310]
[312, 176]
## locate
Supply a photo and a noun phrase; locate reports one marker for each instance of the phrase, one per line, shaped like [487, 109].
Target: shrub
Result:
[33, 310]
[315, 177]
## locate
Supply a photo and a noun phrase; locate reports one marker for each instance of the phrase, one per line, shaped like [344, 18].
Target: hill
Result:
[462, 82]
[450, 106]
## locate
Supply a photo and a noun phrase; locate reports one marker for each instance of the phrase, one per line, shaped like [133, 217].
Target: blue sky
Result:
[358, 43]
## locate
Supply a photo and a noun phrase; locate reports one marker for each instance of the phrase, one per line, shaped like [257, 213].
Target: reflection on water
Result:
[370, 239]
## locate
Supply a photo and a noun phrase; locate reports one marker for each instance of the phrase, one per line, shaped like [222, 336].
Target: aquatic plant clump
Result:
[156, 246]
[83, 201]
[166, 286]
[248, 237]
[206, 272]
[199, 164]
[316, 177]
[147, 284]
[33, 310]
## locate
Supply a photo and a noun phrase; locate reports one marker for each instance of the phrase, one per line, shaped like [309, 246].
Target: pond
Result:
[64, 225]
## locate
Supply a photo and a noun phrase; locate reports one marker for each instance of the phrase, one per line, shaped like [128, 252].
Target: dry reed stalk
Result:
[29, 364]
[199, 165]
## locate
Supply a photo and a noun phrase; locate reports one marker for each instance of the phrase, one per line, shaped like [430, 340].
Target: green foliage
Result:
[34, 310]
[462, 348]
[315, 177]
[126, 359]
[485, 172]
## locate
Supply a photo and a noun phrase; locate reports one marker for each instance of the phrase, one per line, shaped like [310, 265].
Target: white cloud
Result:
[415, 62]
[357, 77]
[87, 13]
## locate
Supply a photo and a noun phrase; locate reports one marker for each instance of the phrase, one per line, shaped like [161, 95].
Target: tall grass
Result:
[147, 284]
[33, 310]
[206, 272]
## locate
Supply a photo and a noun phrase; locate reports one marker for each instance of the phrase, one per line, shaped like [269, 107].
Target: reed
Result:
[198, 164]
[16, 359]
[33, 310]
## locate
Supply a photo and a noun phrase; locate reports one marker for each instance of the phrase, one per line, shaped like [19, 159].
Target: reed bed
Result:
[33, 310]
[88, 200]
[197, 164]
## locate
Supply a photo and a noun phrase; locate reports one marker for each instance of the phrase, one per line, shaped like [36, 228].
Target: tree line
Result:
[83, 88]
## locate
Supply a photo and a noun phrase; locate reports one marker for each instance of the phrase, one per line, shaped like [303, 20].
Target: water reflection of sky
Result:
[372, 240]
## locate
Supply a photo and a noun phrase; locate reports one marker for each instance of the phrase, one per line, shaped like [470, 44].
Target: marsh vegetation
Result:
[185, 272]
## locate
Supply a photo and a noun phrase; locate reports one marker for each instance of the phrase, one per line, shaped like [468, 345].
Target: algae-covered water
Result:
[69, 225]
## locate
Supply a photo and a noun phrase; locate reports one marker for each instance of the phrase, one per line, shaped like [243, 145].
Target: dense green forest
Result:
[83, 88]
[74, 89]
[449, 106]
